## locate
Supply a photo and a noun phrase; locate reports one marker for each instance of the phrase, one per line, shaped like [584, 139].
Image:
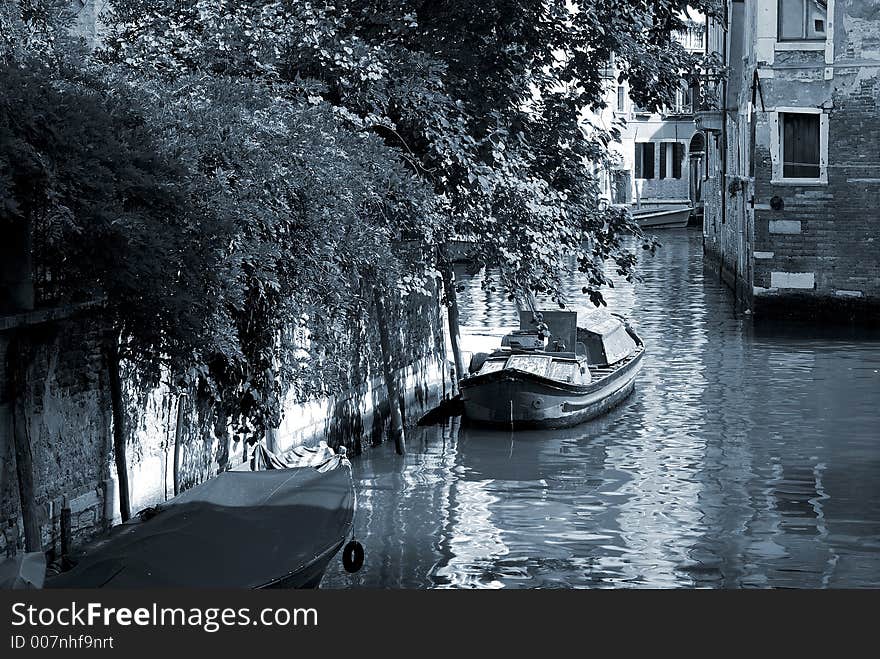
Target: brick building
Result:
[793, 182]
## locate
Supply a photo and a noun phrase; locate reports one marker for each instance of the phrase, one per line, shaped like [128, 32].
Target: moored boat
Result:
[551, 373]
[662, 217]
[276, 527]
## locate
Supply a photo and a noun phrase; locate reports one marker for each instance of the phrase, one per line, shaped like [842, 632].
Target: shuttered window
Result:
[800, 145]
[671, 154]
[644, 160]
[677, 157]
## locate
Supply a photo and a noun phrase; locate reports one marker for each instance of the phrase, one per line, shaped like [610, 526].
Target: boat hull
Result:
[670, 219]
[516, 399]
[310, 575]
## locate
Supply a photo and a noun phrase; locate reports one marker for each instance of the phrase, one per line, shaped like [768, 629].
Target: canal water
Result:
[743, 459]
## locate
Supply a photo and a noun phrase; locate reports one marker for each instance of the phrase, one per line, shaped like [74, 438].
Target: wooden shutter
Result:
[677, 155]
[800, 145]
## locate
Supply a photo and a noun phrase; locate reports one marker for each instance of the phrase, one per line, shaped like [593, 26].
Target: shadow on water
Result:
[746, 457]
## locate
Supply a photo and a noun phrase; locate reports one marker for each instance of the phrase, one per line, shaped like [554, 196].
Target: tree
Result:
[109, 218]
[309, 209]
[235, 178]
[485, 102]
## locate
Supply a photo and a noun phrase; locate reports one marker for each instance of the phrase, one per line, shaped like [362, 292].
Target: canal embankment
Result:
[176, 434]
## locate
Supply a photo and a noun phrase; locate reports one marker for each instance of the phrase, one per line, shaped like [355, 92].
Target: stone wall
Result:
[68, 423]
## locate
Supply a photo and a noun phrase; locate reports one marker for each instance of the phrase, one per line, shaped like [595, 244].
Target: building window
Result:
[671, 154]
[621, 99]
[802, 20]
[644, 160]
[692, 36]
[800, 145]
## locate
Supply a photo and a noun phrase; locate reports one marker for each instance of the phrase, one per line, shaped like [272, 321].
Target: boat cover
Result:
[23, 571]
[241, 529]
[321, 457]
[606, 339]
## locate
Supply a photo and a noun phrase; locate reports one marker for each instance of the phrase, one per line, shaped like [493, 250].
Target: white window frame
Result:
[777, 149]
[803, 41]
[768, 43]
[618, 108]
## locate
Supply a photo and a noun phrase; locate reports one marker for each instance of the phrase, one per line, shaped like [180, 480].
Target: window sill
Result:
[799, 45]
[799, 181]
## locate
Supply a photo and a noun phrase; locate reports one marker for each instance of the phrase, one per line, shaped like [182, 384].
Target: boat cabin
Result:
[552, 345]
[558, 327]
[601, 338]
[605, 338]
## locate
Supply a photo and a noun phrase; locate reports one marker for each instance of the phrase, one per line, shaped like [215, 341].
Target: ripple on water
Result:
[743, 459]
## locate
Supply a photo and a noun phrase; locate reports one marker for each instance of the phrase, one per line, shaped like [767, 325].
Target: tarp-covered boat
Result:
[276, 527]
[23, 572]
[552, 373]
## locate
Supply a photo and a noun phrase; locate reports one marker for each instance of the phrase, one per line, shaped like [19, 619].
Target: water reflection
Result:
[743, 459]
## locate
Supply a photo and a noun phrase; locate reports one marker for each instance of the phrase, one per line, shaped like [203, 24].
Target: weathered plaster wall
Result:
[68, 425]
[818, 253]
[656, 129]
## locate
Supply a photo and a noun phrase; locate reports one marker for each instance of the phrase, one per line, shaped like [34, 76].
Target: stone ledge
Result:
[48, 315]
[784, 226]
[816, 309]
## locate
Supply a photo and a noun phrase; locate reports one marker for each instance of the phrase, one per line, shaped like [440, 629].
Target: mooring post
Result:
[451, 295]
[25, 472]
[66, 533]
[118, 413]
[178, 438]
[390, 381]
[18, 358]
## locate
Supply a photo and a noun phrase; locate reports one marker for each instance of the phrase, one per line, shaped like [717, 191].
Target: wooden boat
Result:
[662, 217]
[277, 527]
[552, 373]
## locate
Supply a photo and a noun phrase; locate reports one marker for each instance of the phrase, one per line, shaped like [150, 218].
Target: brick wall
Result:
[822, 247]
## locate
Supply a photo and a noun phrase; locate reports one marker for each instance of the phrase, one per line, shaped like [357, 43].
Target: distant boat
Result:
[551, 373]
[277, 527]
[662, 217]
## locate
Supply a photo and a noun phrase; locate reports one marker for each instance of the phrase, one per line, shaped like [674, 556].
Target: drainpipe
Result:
[724, 121]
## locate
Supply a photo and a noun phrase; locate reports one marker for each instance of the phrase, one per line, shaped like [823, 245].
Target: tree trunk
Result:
[390, 381]
[24, 461]
[118, 427]
[17, 367]
[66, 534]
[452, 314]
